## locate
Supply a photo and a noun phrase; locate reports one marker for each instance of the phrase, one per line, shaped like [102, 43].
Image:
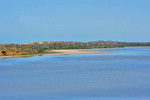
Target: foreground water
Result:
[117, 75]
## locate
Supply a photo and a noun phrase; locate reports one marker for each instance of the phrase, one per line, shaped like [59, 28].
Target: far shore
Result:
[63, 52]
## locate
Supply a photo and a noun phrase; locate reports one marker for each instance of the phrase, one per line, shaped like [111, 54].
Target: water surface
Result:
[118, 75]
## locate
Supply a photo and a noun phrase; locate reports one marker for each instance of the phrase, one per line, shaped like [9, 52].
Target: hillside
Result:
[40, 47]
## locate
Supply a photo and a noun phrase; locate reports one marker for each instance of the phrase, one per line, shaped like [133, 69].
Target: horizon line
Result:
[75, 41]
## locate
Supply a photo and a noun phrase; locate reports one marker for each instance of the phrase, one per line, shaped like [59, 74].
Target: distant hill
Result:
[39, 47]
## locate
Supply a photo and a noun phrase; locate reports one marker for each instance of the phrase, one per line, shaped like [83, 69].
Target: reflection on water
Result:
[121, 75]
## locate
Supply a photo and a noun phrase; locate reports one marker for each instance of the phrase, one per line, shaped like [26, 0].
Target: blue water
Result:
[122, 74]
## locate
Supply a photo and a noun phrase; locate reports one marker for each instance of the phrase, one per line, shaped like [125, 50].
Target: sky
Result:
[74, 20]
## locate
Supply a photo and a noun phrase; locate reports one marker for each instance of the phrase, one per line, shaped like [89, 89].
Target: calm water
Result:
[121, 75]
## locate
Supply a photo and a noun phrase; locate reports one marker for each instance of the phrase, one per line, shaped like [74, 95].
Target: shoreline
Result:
[62, 52]
[68, 52]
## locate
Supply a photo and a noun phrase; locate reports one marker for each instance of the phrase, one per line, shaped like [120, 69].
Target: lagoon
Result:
[121, 74]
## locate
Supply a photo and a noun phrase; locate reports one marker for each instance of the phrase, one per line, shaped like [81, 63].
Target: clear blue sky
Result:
[74, 20]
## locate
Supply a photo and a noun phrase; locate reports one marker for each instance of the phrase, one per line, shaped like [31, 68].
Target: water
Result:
[117, 75]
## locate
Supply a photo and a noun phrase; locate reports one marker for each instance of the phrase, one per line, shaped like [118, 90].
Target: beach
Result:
[62, 52]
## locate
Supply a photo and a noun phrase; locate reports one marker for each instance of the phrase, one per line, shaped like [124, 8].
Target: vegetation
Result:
[41, 47]
[4, 52]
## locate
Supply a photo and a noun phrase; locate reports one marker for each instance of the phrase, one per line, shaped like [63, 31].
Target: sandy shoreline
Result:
[62, 52]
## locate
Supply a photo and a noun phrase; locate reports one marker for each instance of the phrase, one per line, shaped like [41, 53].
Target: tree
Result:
[40, 51]
[4, 52]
